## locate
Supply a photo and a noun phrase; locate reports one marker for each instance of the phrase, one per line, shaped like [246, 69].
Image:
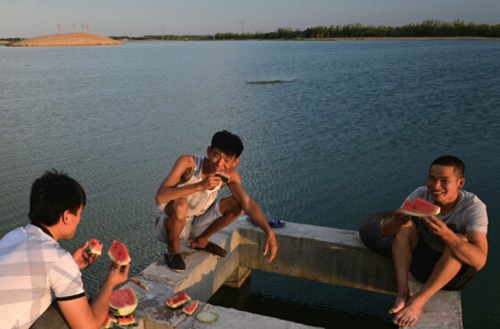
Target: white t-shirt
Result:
[34, 270]
[468, 215]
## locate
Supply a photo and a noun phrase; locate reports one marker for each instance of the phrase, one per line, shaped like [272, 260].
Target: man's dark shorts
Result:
[424, 260]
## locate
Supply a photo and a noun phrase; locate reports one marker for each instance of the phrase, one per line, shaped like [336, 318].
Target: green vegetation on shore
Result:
[426, 29]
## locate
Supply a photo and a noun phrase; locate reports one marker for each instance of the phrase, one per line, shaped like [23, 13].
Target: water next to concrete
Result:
[351, 133]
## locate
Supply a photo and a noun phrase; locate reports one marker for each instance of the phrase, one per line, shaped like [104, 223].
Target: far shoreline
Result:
[6, 42]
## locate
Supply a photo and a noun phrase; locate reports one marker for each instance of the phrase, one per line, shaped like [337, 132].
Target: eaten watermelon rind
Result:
[95, 246]
[109, 322]
[178, 300]
[420, 208]
[191, 308]
[123, 302]
[207, 317]
[118, 253]
[223, 177]
[128, 321]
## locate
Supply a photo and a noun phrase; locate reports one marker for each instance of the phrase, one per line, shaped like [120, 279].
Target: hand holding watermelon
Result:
[83, 257]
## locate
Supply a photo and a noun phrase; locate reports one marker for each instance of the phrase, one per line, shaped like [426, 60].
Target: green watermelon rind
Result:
[125, 310]
[223, 177]
[207, 317]
[114, 258]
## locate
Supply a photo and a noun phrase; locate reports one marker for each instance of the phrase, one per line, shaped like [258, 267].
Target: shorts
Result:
[195, 225]
[424, 260]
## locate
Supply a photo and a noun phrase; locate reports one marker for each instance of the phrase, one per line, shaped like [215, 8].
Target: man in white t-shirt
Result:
[443, 251]
[38, 277]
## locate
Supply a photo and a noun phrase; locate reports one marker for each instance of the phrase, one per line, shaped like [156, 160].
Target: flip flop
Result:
[213, 249]
[274, 223]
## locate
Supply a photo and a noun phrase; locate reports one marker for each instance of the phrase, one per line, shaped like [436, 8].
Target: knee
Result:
[177, 209]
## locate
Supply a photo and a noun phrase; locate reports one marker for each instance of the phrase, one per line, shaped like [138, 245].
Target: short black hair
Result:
[451, 161]
[53, 194]
[228, 143]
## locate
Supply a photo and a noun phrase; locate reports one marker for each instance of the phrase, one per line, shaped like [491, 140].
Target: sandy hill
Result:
[67, 39]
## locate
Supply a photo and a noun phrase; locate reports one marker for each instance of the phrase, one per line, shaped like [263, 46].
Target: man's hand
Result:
[210, 181]
[400, 217]
[271, 245]
[83, 257]
[436, 226]
[118, 274]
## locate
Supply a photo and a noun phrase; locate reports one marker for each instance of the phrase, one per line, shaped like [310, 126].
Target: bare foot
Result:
[408, 316]
[399, 304]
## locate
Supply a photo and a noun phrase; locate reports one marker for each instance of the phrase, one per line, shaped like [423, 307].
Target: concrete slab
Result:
[315, 253]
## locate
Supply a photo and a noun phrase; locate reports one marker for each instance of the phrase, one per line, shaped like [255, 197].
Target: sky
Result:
[30, 18]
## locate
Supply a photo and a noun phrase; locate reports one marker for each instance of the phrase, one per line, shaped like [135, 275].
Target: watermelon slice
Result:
[189, 309]
[95, 246]
[223, 177]
[127, 320]
[109, 322]
[123, 302]
[119, 253]
[180, 299]
[420, 208]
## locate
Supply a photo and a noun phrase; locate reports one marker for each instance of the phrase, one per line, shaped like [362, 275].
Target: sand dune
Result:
[67, 39]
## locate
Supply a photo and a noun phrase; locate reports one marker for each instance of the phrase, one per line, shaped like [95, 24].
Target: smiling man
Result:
[443, 251]
[188, 207]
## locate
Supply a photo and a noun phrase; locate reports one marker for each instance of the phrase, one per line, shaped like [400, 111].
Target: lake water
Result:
[350, 131]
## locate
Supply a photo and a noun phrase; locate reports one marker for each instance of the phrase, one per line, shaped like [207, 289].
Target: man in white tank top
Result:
[187, 205]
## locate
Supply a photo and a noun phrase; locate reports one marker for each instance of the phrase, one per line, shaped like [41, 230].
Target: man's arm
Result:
[472, 250]
[183, 169]
[253, 210]
[81, 315]
[390, 226]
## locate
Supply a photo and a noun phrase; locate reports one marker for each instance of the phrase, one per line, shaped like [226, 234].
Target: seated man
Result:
[443, 251]
[36, 270]
[187, 205]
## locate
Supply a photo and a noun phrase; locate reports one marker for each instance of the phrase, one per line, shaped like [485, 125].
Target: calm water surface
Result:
[352, 132]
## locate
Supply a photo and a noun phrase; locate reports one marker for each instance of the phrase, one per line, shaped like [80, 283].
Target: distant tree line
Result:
[428, 28]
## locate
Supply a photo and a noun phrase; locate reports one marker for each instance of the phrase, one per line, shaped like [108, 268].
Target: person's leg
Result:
[218, 216]
[403, 244]
[173, 220]
[52, 318]
[176, 212]
[443, 272]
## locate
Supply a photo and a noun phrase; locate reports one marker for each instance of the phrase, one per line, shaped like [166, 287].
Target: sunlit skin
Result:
[443, 184]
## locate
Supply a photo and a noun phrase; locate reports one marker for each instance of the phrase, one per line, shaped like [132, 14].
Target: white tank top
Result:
[199, 202]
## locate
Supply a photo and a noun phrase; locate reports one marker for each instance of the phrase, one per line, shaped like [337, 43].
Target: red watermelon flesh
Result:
[108, 323]
[123, 302]
[119, 253]
[127, 320]
[420, 208]
[180, 299]
[95, 246]
[189, 309]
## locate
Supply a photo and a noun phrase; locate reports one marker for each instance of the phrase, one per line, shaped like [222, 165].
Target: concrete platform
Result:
[350, 264]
